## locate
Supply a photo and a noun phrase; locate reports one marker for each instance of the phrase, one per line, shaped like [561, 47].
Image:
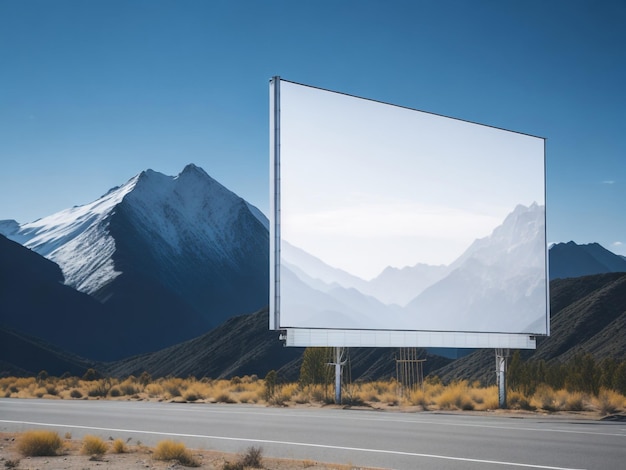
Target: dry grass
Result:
[170, 450]
[93, 445]
[39, 443]
[119, 447]
[433, 395]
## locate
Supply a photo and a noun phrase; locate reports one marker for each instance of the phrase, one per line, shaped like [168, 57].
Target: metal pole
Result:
[338, 365]
[339, 362]
[501, 355]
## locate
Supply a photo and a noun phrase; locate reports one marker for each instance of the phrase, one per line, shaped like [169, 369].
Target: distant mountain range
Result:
[162, 265]
[572, 260]
[501, 273]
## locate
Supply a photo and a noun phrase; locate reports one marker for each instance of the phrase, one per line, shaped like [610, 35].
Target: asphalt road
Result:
[362, 438]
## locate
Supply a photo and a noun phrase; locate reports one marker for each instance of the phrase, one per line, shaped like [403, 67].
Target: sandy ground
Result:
[137, 458]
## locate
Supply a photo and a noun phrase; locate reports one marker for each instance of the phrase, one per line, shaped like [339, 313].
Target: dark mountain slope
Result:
[575, 327]
[242, 345]
[588, 316]
[33, 300]
[22, 355]
[573, 260]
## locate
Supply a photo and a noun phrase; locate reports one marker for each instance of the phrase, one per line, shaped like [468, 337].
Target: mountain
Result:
[497, 285]
[22, 355]
[34, 300]
[244, 346]
[588, 316]
[573, 260]
[162, 254]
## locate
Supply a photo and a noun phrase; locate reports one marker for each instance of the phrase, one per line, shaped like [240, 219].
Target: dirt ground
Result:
[138, 457]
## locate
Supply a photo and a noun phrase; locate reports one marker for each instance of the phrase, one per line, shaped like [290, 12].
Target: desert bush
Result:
[609, 402]
[128, 387]
[93, 445]
[115, 392]
[119, 446]
[252, 457]
[249, 459]
[91, 375]
[573, 401]
[455, 396]
[281, 397]
[145, 378]
[270, 385]
[249, 397]
[170, 450]
[100, 389]
[173, 386]
[154, 390]
[519, 401]
[225, 397]
[193, 393]
[76, 394]
[39, 443]
[545, 398]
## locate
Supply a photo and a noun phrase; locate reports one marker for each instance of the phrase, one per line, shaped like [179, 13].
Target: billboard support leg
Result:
[501, 355]
[339, 362]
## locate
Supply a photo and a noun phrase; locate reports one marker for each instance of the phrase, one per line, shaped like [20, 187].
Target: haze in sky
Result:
[365, 185]
[92, 93]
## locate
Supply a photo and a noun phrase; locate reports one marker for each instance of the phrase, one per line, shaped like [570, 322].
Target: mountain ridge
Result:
[176, 254]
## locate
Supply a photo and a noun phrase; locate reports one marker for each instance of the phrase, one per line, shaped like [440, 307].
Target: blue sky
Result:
[93, 92]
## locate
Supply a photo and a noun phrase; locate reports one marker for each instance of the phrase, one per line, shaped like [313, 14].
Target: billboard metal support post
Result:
[501, 355]
[339, 362]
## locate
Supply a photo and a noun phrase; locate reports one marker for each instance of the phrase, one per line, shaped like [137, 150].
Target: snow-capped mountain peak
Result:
[171, 212]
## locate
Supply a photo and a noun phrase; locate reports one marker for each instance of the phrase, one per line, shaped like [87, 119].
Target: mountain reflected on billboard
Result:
[474, 293]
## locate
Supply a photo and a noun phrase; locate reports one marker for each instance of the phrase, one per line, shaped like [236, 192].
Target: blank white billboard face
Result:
[388, 218]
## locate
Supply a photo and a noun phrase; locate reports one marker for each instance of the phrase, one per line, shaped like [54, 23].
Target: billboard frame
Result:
[338, 337]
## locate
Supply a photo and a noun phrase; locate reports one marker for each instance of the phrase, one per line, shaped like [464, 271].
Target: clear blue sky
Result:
[92, 92]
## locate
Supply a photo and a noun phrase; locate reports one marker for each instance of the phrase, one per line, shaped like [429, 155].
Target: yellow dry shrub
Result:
[608, 402]
[484, 398]
[455, 396]
[249, 397]
[173, 387]
[195, 391]
[39, 443]
[93, 445]
[170, 450]
[154, 390]
[421, 397]
[545, 398]
[119, 446]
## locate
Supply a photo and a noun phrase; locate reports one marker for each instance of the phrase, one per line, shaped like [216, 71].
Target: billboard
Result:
[396, 227]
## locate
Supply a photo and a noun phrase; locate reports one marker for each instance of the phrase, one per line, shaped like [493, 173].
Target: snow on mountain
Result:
[174, 211]
[77, 240]
[159, 250]
[498, 284]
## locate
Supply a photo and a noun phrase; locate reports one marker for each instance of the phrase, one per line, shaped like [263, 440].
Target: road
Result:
[430, 441]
